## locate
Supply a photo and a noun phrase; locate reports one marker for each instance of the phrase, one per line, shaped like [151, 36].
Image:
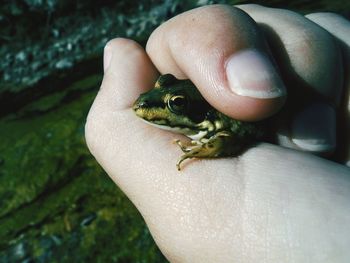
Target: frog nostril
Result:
[140, 104]
[143, 104]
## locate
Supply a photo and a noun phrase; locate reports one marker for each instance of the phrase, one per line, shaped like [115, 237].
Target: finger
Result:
[311, 65]
[339, 27]
[302, 49]
[221, 50]
[128, 72]
[335, 24]
[125, 60]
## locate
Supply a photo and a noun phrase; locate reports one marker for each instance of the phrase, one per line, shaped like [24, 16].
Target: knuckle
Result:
[250, 7]
[315, 41]
[323, 15]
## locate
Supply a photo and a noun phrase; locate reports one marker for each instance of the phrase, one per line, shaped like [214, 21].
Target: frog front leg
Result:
[204, 148]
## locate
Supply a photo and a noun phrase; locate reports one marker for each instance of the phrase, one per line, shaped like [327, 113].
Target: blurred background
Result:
[56, 203]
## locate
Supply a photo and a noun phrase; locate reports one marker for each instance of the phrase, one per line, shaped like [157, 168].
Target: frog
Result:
[178, 106]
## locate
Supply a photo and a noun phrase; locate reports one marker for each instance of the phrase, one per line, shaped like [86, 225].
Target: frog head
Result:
[174, 105]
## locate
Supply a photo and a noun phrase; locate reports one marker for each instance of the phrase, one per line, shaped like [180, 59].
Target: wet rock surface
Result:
[56, 203]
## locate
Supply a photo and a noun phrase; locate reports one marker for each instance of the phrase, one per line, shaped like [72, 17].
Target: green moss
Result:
[57, 204]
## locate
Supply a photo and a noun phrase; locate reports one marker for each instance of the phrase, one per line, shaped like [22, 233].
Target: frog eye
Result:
[177, 104]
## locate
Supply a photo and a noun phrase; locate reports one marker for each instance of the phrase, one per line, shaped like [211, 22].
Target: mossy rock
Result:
[57, 204]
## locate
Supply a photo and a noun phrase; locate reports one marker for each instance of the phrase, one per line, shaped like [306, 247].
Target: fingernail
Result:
[107, 57]
[314, 129]
[250, 73]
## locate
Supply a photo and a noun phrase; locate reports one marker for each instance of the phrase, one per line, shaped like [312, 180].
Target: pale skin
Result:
[271, 204]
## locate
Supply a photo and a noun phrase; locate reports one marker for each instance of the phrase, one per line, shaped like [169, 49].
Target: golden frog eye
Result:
[177, 103]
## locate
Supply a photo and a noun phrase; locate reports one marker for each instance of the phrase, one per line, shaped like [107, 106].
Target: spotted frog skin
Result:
[178, 106]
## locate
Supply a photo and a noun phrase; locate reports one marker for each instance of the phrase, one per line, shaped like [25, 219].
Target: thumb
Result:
[222, 51]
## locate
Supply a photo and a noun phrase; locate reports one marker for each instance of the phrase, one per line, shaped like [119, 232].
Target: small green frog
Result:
[178, 106]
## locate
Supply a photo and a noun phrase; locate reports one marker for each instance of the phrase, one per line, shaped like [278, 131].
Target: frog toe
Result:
[188, 155]
[183, 147]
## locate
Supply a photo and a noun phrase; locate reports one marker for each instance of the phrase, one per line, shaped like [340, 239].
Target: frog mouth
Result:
[140, 110]
[162, 124]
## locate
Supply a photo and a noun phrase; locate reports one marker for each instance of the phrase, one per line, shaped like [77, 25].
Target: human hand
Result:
[271, 203]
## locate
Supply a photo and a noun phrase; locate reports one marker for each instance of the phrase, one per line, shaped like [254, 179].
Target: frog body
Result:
[178, 106]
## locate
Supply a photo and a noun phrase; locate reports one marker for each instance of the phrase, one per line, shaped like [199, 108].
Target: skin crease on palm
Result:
[271, 204]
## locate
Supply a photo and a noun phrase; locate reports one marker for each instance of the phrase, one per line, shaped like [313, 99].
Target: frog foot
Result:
[191, 150]
[198, 150]
[208, 148]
